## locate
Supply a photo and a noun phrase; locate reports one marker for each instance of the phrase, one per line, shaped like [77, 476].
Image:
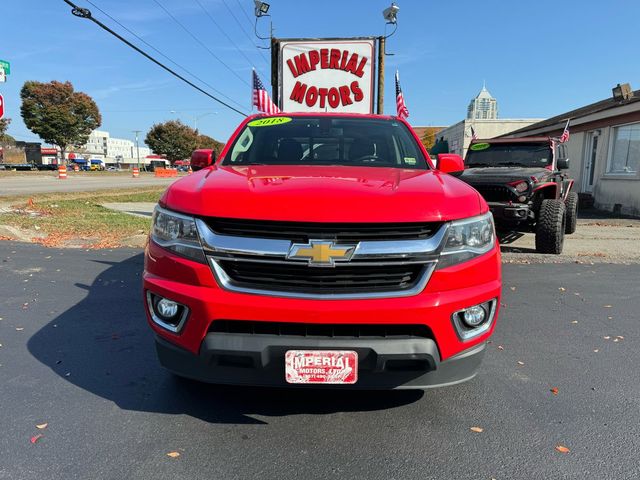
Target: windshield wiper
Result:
[512, 164]
[473, 165]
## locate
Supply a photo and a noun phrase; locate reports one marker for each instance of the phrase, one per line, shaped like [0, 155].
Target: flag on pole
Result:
[474, 136]
[261, 99]
[401, 107]
[565, 133]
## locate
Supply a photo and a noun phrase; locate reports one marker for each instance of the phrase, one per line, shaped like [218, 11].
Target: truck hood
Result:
[502, 175]
[323, 194]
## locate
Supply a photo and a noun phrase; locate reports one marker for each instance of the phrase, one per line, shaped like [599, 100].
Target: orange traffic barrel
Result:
[62, 172]
[190, 171]
[136, 172]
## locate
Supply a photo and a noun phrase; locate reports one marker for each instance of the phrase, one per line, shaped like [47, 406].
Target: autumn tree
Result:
[5, 139]
[205, 141]
[58, 114]
[429, 137]
[173, 139]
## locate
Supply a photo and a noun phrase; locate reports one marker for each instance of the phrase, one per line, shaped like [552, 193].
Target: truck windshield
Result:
[529, 155]
[326, 140]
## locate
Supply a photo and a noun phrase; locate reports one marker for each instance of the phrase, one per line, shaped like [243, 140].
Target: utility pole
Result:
[138, 146]
[381, 48]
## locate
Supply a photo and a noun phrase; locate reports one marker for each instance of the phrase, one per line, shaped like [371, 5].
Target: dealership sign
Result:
[326, 75]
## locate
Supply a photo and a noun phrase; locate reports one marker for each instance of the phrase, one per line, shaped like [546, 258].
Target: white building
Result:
[458, 136]
[111, 150]
[483, 107]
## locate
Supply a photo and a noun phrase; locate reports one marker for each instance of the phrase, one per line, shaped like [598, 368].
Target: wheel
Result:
[550, 227]
[571, 205]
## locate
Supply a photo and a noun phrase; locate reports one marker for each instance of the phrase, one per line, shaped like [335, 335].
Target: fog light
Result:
[166, 313]
[522, 198]
[167, 308]
[474, 316]
[474, 321]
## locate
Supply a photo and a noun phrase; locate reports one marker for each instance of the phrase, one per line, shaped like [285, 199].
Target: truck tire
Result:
[571, 205]
[550, 227]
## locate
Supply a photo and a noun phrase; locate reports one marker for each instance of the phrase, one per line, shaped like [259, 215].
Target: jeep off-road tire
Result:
[571, 206]
[550, 227]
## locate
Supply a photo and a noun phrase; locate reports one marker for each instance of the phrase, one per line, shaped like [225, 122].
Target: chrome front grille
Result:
[375, 269]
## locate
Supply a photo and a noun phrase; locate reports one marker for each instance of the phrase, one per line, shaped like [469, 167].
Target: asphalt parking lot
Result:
[77, 355]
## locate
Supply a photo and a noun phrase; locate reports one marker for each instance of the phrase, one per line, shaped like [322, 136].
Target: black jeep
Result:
[522, 181]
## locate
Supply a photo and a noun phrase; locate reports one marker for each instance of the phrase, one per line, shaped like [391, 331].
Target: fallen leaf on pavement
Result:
[606, 337]
[620, 337]
[513, 289]
[562, 449]
[596, 350]
[554, 390]
[42, 426]
[575, 321]
[562, 289]
[477, 429]
[606, 306]
[173, 454]
[500, 347]
[19, 329]
[520, 363]
[35, 438]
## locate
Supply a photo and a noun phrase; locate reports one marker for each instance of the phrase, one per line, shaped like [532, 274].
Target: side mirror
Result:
[563, 164]
[450, 163]
[202, 158]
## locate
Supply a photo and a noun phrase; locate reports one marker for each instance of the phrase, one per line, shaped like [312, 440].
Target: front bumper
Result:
[509, 212]
[441, 359]
[243, 359]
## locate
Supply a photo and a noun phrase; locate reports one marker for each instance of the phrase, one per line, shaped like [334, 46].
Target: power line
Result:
[184, 69]
[242, 28]
[244, 12]
[213, 20]
[86, 13]
[201, 43]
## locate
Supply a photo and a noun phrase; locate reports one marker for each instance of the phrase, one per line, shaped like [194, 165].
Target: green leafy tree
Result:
[5, 139]
[58, 114]
[205, 141]
[173, 139]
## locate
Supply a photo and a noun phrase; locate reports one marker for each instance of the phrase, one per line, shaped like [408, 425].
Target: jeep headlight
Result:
[468, 238]
[178, 233]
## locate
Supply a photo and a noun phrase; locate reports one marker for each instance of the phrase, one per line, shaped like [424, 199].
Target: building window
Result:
[625, 151]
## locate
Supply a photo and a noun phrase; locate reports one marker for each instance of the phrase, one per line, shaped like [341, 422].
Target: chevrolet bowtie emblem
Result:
[321, 253]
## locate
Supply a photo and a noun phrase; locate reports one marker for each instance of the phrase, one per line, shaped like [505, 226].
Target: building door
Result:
[590, 162]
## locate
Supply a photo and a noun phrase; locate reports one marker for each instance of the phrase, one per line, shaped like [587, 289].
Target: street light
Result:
[261, 8]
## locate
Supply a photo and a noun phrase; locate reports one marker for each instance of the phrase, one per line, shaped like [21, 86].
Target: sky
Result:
[538, 58]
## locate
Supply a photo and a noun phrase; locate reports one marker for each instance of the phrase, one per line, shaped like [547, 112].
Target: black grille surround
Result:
[322, 330]
[496, 193]
[304, 231]
[342, 279]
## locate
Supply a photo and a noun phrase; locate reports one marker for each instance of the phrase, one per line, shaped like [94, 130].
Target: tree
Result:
[58, 114]
[173, 139]
[5, 139]
[205, 141]
[429, 137]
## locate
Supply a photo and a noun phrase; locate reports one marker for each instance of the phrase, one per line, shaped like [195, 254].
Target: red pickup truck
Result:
[323, 249]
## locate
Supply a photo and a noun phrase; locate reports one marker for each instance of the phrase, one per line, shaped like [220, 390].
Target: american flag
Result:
[474, 136]
[565, 133]
[401, 107]
[261, 98]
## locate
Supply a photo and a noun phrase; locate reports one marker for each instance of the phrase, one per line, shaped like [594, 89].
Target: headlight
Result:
[520, 186]
[467, 239]
[177, 233]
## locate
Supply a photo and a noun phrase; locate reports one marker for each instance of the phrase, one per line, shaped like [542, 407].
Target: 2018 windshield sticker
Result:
[268, 122]
[479, 146]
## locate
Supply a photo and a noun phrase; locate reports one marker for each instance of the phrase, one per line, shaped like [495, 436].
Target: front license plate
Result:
[321, 366]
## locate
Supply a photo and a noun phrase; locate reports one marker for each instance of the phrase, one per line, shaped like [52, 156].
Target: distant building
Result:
[483, 107]
[100, 145]
[604, 148]
[458, 135]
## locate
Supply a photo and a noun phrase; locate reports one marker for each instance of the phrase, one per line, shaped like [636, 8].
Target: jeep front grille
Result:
[496, 193]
